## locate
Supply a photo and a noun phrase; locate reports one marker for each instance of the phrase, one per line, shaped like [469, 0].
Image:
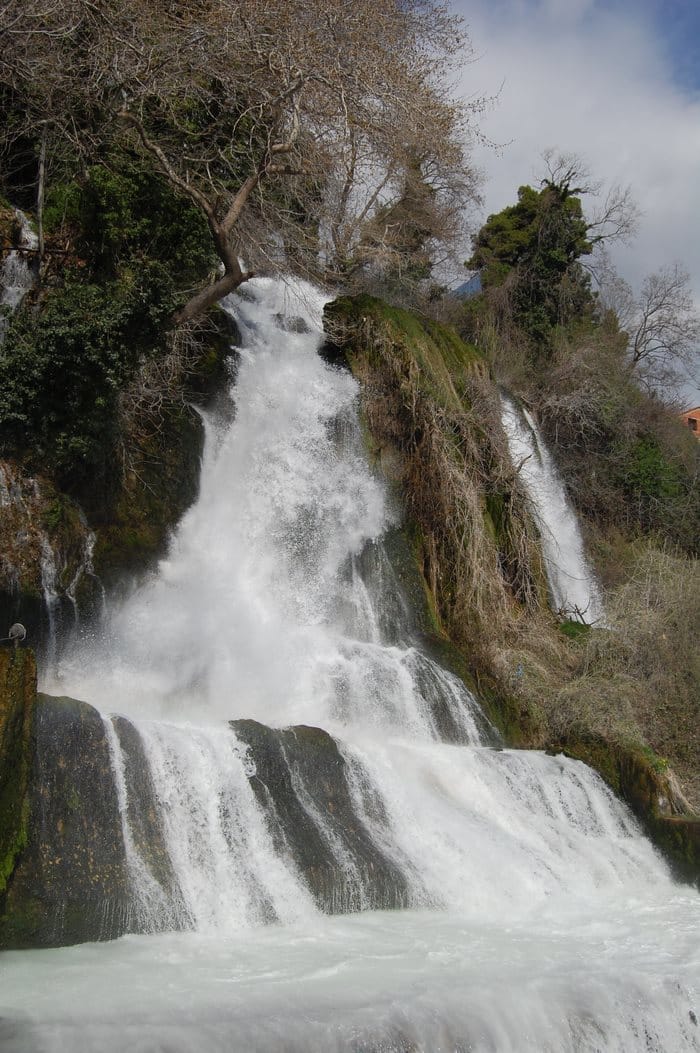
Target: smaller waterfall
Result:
[47, 574]
[52, 599]
[572, 585]
[17, 274]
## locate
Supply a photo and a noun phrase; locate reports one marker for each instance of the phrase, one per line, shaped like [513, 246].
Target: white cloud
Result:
[596, 83]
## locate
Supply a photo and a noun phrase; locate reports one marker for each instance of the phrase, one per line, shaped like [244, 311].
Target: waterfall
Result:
[17, 274]
[572, 584]
[326, 845]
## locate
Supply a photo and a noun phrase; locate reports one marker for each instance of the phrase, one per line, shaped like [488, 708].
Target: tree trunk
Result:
[232, 277]
[40, 194]
[206, 298]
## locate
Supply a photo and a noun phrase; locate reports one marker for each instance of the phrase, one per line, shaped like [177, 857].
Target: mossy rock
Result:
[640, 779]
[358, 326]
[156, 489]
[17, 700]
[215, 367]
[70, 883]
[36, 516]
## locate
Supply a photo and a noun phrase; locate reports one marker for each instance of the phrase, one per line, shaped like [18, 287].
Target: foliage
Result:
[123, 213]
[574, 630]
[61, 372]
[535, 246]
[135, 243]
[652, 647]
[628, 462]
[648, 474]
[256, 113]
[397, 245]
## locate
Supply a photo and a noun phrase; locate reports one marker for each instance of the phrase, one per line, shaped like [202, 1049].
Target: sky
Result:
[616, 82]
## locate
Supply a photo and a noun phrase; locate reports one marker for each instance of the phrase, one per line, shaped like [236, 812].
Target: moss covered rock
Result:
[17, 699]
[45, 543]
[70, 883]
[159, 482]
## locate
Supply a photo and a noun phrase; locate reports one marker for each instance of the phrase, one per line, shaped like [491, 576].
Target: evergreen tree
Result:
[534, 248]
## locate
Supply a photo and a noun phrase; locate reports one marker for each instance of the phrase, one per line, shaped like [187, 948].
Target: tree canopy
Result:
[288, 124]
[534, 248]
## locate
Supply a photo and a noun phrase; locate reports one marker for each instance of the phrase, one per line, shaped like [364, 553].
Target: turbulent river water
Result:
[530, 914]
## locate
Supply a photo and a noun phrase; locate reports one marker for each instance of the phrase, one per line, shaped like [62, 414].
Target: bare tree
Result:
[667, 329]
[285, 122]
[661, 321]
[614, 217]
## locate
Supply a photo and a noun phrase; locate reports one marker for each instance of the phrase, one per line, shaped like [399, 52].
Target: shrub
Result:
[61, 371]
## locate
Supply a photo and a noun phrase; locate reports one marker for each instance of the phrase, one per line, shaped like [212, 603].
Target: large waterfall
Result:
[327, 848]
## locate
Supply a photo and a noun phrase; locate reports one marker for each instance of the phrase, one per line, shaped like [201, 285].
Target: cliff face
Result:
[46, 553]
[433, 425]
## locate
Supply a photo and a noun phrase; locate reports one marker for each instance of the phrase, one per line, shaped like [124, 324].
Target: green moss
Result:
[445, 361]
[62, 371]
[17, 698]
[638, 776]
[574, 630]
[599, 755]
[656, 763]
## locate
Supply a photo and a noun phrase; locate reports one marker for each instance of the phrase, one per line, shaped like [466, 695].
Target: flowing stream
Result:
[394, 882]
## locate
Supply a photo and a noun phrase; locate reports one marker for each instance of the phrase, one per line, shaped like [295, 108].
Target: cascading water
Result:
[533, 914]
[16, 275]
[572, 584]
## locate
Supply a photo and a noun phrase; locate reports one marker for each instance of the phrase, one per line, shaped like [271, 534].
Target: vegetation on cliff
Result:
[624, 697]
[561, 346]
[553, 332]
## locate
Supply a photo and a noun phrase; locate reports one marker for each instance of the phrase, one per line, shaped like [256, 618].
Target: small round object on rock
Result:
[17, 633]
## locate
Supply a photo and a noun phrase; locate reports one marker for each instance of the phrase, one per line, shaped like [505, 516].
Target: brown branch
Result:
[177, 180]
[205, 299]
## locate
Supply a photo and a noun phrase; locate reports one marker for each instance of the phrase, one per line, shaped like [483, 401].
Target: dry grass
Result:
[651, 654]
[428, 396]
[428, 399]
